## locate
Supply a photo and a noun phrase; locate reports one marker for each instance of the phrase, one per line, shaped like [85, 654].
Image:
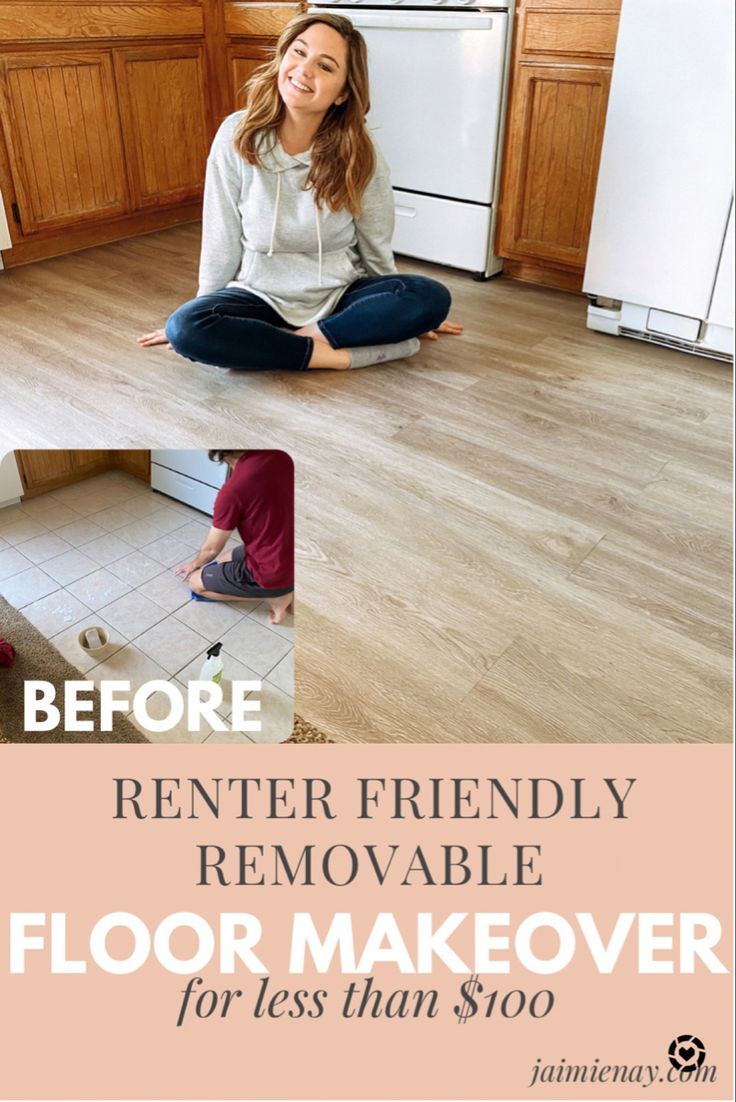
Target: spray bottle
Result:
[213, 665]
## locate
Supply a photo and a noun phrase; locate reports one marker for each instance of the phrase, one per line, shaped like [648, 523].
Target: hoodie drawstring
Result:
[275, 213]
[275, 222]
[319, 244]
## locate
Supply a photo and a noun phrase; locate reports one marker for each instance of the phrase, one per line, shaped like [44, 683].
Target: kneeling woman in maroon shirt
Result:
[257, 501]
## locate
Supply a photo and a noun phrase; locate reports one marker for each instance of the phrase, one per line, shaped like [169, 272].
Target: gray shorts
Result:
[235, 579]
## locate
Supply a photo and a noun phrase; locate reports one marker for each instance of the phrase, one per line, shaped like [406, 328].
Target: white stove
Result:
[438, 76]
[187, 476]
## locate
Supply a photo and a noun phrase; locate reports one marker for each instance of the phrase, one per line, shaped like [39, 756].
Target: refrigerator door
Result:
[665, 179]
[721, 308]
[719, 329]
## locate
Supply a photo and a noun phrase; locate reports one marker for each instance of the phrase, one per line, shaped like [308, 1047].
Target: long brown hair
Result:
[343, 158]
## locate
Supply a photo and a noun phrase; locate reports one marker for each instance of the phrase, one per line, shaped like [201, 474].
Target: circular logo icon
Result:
[686, 1052]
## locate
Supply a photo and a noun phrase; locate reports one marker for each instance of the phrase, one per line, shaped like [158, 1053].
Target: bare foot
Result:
[279, 606]
[450, 327]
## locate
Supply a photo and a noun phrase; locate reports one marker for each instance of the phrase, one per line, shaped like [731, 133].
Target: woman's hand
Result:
[158, 336]
[446, 327]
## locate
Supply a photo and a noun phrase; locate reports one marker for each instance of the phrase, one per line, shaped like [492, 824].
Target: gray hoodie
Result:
[263, 232]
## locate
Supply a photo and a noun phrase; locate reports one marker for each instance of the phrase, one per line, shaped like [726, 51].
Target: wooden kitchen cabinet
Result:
[244, 60]
[39, 469]
[253, 31]
[561, 71]
[42, 471]
[107, 112]
[162, 101]
[136, 462]
[62, 132]
[88, 462]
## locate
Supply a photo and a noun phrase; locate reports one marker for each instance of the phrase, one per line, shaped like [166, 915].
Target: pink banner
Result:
[392, 922]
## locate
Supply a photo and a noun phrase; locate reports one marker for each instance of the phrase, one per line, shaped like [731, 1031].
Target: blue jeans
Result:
[236, 329]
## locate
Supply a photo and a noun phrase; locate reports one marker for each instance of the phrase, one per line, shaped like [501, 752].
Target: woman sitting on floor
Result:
[296, 269]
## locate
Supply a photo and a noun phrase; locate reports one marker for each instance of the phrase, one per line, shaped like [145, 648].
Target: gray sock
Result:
[369, 354]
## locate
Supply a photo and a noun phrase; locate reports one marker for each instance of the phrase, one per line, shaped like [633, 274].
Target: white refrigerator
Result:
[660, 258]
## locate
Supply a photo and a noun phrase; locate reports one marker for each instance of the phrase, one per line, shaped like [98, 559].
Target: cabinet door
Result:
[136, 462]
[62, 130]
[37, 468]
[557, 123]
[89, 461]
[162, 100]
[244, 60]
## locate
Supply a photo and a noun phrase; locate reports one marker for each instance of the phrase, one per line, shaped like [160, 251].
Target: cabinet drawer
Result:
[258, 19]
[443, 230]
[579, 34]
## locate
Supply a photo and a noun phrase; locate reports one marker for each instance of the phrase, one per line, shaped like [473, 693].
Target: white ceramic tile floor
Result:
[257, 646]
[170, 643]
[135, 568]
[276, 715]
[99, 588]
[210, 618]
[11, 514]
[128, 664]
[12, 561]
[144, 505]
[106, 549]
[115, 517]
[132, 614]
[139, 531]
[285, 629]
[102, 577]
[282, 675]
[170, 551]
[168, 591]
[43, 547]
[56, 612]
[80, 531]
[52, 514]
[28, 586]
[70, 566]
[23, 528]
[168, 520]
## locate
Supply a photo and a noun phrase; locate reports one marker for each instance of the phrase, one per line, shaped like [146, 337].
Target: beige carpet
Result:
[307, 732]
[38, 660]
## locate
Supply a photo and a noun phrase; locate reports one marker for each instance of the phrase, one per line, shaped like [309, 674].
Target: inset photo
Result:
[147, 596]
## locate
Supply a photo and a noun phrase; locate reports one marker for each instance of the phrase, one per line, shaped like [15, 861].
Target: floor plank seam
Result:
[512, 642]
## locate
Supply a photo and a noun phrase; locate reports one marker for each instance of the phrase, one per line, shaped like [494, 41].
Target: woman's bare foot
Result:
[279, 606]
[450, 327]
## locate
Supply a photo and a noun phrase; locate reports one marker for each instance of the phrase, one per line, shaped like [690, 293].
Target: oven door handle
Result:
[431, 21]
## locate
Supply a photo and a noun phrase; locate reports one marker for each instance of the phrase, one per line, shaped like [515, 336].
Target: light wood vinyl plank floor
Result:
[521, 534]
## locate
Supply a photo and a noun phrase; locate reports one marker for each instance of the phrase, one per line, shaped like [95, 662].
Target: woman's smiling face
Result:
[313, 71]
